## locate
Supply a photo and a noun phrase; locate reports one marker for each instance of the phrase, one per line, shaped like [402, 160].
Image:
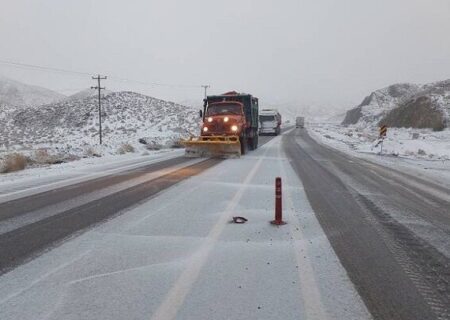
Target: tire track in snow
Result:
[312, 301]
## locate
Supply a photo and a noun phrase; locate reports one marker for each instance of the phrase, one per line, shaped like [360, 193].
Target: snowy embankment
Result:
[40, 179]
[418, 151]
[418, 136]
[417, 117]
[423, 144]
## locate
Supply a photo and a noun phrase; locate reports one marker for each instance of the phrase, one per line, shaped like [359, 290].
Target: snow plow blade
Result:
[212, 147]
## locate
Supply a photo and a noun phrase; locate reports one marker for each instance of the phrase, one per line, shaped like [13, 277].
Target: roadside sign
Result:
[383, 131]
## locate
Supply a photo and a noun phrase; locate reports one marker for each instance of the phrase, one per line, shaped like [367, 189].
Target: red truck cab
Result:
[224, 118]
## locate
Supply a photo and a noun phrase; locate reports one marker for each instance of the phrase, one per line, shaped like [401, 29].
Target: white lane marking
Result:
[59, 184]
[312, 301]
[174, 299]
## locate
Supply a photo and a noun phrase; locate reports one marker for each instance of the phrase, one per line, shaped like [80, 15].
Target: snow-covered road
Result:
[177, 256]
[40, 179]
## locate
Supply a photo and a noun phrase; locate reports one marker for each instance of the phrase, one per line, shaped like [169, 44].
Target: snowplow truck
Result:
[229, 128]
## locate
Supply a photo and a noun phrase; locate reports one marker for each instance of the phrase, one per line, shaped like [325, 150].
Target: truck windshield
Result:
[216, 109]
[266, 118]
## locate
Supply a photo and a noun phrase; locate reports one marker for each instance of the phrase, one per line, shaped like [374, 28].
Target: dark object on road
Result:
[239, 220]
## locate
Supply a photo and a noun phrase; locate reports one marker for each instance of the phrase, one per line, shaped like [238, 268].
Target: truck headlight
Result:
[210, 119]
[234, 128]
[205, 129]
[226, 119]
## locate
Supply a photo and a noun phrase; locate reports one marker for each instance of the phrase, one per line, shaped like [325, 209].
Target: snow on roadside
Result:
[423, 144]
[42, 175]
[418, 151]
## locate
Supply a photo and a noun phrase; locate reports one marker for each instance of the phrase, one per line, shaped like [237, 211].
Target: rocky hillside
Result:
[430, 108]
[405, 105]
[72, 125]
[379, 103]
[17, 94]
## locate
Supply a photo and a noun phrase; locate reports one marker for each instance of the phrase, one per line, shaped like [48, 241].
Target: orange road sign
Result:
[383, 131]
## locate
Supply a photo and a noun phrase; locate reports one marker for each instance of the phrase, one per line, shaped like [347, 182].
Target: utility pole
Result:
[99, 88]
[205, 86]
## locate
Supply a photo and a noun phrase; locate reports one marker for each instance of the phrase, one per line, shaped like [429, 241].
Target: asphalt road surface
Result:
[389, 230]
[31, 225]
[377, 221]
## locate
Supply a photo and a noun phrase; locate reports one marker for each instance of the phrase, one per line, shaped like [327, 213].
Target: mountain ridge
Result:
[18, 94]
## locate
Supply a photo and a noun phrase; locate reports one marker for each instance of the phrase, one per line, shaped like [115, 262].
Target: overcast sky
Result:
[322, 52]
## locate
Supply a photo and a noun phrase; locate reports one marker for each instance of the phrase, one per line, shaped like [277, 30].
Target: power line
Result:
[155, 83]
[44, 68]
[80, 73]
[71, 90]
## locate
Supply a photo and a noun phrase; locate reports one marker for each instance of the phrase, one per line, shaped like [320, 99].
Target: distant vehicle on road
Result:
[300, 122]
[270, 122]
[230, 126]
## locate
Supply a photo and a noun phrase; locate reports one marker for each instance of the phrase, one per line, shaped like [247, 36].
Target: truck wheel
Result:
[244, 144]
[250, 143]
[255, 143]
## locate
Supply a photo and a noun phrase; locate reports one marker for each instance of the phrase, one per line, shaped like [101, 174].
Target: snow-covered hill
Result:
[71, 126]
[417, 118]
[404, 105]
[87, 93]
[378, 104]
[17, 94]
[430, 108]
